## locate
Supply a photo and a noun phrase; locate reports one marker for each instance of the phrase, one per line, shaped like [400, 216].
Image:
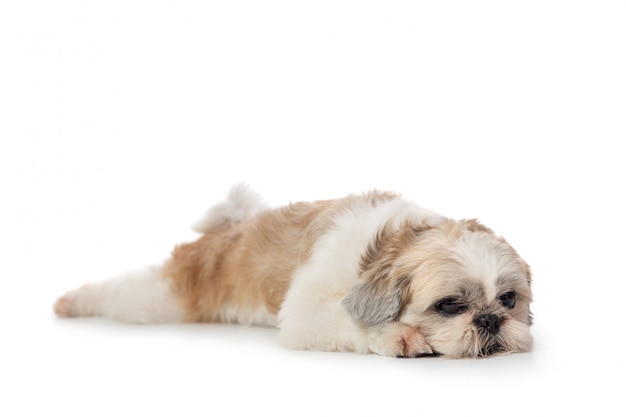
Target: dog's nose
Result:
[491, 322]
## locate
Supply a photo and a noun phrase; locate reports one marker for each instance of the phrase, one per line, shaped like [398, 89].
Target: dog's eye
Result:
[508, 299]
[450, 307]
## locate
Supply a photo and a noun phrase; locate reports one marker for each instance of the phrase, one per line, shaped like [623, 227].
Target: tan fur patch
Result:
[249, 265]
[379, 266]
[473, 225]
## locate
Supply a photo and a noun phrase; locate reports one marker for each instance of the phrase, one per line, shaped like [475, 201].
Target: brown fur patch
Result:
[473, 225]
[383, 291]
[248, 266]
[378, 263]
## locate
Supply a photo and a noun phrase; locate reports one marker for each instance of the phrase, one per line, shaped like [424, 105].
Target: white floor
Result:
[121, 122]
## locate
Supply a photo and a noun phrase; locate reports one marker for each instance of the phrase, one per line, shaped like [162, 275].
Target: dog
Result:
[367, 273]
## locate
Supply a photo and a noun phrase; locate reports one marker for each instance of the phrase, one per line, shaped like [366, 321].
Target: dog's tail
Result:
[147, 295]
[241, 204]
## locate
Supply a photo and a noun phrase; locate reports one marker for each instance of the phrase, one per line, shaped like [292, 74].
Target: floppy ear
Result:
[380, 295]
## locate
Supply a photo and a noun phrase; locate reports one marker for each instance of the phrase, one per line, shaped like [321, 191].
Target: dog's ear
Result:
[380, 295]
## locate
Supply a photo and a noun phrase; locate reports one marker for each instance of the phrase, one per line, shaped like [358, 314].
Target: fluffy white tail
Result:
[241, 203]
[145, 296]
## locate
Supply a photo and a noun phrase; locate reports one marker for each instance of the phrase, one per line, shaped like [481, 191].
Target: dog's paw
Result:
[399, 340]
[63, 306]
[413, 344]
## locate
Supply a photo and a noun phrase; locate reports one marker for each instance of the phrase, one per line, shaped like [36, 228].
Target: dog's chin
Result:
[456, 340]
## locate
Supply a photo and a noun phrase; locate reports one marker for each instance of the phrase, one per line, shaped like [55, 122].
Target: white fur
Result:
[242, 203]
[312, 316]
[258, 317]
[144, 296]
[141, 296]
[483, 265]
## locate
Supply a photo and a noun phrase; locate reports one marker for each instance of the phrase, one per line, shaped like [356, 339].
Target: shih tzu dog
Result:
[369, 273]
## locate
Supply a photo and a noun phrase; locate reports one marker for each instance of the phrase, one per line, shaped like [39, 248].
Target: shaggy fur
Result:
[366, 273]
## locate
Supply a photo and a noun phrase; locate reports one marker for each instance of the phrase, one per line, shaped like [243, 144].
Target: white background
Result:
[122, 121]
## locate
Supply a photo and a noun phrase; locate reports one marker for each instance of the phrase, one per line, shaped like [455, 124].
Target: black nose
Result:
[491, 322]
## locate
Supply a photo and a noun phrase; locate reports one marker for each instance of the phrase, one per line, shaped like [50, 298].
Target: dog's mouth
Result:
[474, 342]
[484, 352]
[489, 350]
[483, 344]
[488, 343]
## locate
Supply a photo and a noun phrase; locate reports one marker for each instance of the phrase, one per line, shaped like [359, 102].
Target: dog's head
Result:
[465, 289]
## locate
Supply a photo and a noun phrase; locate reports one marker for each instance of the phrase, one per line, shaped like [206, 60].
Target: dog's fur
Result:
[365, 273]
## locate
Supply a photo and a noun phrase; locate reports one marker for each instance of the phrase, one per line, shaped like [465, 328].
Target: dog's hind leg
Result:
[142, 296]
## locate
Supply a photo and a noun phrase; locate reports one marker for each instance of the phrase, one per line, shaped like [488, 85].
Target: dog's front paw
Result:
[399, 340]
